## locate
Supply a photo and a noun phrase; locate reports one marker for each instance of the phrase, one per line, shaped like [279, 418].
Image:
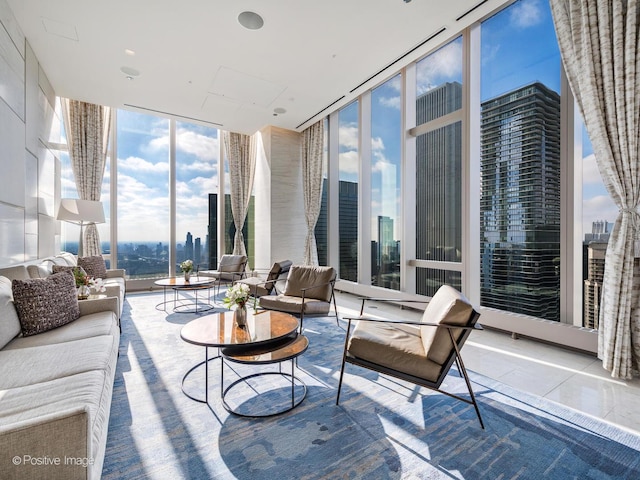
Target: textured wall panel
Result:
[31, 195]
[11, 234]
[11, 157]
[11, 74]
[46, 181]
[11, 25]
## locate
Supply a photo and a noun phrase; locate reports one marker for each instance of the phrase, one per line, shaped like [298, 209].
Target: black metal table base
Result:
[294, 402]
[205, 362]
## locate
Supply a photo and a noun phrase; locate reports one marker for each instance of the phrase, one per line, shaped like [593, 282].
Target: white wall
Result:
[279, 213]
[29, 170]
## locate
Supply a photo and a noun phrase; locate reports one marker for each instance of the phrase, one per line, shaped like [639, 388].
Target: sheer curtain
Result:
[241, 153]
[312, 149]
[87, 129]
[599, 46]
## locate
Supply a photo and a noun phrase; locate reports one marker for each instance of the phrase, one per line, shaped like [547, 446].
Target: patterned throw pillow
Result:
[94, 266]
[45, 303]
[71, 270]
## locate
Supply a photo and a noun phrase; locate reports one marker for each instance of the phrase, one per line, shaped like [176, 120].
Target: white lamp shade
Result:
[79, 211]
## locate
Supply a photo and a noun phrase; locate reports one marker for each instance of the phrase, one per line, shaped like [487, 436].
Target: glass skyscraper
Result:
[520, 202]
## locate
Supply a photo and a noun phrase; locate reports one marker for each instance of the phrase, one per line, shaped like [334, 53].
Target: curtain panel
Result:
[87, 128]
[599, 47]
[312, 150]
[241, 153]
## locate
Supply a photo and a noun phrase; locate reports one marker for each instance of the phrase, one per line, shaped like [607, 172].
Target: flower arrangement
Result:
[186, 266]
[238, 294]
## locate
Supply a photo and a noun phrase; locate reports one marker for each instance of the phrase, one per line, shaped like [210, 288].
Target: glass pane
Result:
[598, 214]
[322, 226]
[348, 165]
[386, 184]
[430, 279]
[196, 179]
[438, 83]
[143, 194]
[520, 162]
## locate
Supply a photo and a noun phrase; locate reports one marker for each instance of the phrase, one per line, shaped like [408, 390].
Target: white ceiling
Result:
[196, 61]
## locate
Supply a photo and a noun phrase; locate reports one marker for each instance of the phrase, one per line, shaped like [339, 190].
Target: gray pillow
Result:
[94, 266]
[45, 303]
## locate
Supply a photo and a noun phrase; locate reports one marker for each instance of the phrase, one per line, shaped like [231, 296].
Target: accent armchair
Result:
[259, 287]
[308, 291]
[418, 352]
[230, 269]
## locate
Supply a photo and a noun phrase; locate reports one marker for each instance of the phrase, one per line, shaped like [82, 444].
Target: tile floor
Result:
[571, 378]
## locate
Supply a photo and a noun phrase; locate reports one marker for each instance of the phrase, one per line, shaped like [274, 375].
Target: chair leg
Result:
[466, 378]
[344, 360]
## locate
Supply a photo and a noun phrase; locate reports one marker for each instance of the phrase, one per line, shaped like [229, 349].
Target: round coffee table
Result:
[269, 337]
[195, 284]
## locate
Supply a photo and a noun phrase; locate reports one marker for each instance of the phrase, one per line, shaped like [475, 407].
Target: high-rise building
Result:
[593, 284]
[438, 188]
[188, 247]
[520, 202]
[348, 228]
[197, 252]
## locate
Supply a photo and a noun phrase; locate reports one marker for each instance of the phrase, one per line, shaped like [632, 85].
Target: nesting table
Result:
[178, 284]
[269, 337]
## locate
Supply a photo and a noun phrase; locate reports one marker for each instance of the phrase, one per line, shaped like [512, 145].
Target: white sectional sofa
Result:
[55, 391]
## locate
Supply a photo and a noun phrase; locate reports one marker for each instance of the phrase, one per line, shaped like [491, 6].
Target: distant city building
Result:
[322, 227]
[593, 284]
[197, 252]
[348, 229]
[600, 232]
[188, 247]
[438, 188]
[520, 202]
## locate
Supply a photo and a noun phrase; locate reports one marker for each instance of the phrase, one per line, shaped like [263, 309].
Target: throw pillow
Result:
[77, 272]
[94, 266]
[45, 303]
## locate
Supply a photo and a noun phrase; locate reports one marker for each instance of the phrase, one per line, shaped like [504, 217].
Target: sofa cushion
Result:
[94, 266]
[9, 322]
[304, 276]
[449, 306]
[41, 270]
[76, 272]
[286, 303]
[231, 267]
[87, 326]
[69, 258]
[398, 347]
[45, 303]
[16, 271]
[31, 365]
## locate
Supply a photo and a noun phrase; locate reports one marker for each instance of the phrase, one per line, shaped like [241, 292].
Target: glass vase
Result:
[83, 292]
[187, 276]
[240, 316]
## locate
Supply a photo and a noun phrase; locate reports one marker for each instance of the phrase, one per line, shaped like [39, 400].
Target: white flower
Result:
[186, 266]
[238, 294]
[97, 284]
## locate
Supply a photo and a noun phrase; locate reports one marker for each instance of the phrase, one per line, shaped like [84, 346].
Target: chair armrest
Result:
[391, 300]
[476, 326]
[330, 282]
[109, 304]
[116, 272]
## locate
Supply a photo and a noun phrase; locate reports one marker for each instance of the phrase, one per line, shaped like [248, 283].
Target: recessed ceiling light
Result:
[129, 72]
[250, 20]
[129, 52]
[279, 110]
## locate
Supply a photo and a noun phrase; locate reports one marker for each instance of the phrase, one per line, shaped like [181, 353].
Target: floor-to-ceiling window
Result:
[520, 161]
[349, 165]
[439, 169]
[197, 152]
[143, 194]
[386, 181]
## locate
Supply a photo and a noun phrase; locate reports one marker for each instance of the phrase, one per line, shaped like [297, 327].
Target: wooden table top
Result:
[220, 330]
[180, 282]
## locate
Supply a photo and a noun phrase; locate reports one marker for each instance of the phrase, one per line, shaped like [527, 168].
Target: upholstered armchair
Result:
[259, 287]
[308, 291]
[418, 352]
[230, 269]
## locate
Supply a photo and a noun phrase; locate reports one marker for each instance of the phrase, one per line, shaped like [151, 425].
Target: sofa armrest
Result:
[112, 291]
[95, 305]
[116, 272]
[25, 446]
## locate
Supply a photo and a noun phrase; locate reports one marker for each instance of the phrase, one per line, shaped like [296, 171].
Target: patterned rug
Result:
[382, 429]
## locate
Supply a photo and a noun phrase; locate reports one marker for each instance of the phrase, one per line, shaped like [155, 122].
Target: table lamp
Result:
[80, 212]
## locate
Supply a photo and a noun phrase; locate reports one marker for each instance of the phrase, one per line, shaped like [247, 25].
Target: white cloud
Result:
[391, 102]
[600, 207]
[377, 144]
[348, 136]
[526, 13]
[443, 65]
[137, 164]
[590, 172]
[203, 147]
[348, 162]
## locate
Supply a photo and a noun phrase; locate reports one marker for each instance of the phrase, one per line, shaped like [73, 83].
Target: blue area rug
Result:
[383, 428]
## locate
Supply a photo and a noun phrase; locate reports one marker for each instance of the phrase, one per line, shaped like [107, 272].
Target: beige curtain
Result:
[241, 153]
[87, 129]
[599, 46]
[312, 149]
